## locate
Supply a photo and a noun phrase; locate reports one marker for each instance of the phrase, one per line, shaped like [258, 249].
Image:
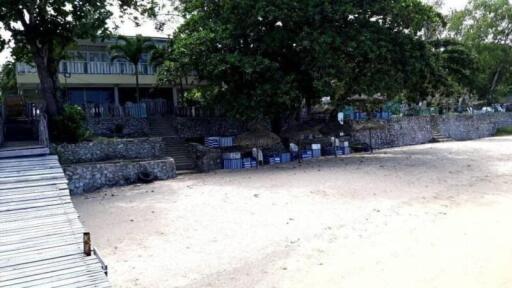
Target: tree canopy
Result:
[131, 49]
[263, 58]
[485, 26]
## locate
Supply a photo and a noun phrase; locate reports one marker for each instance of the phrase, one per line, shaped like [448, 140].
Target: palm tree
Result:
[132, 49]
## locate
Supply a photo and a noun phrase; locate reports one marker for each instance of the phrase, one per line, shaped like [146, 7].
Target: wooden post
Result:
[87, 244]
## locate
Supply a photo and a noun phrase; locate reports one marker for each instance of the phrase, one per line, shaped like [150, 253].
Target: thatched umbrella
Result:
[259, 137]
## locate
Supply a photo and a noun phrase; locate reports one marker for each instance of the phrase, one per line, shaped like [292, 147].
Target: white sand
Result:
[435, 215]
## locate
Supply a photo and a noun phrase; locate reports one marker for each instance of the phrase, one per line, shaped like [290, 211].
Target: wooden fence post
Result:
[87, 244]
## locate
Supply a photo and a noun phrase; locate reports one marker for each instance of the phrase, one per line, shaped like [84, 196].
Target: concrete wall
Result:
[419, 129]
[108, 149]
[88, 177]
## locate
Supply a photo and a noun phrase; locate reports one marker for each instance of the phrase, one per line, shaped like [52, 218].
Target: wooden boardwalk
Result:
[41, 237]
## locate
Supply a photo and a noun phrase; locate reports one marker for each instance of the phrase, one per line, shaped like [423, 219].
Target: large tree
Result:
[486, 27]
[266, 58]
[41, 31]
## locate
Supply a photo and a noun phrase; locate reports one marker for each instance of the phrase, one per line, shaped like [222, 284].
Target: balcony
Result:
[93, 68]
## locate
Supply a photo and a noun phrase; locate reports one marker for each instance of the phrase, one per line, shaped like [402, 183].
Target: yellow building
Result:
[89, 78]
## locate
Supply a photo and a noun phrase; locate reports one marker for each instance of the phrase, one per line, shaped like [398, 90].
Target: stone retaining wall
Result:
[206, 159]
[88, 177]
[127, 126]
[468, 127]
[202, 127]
[108, 149]
[419, 129]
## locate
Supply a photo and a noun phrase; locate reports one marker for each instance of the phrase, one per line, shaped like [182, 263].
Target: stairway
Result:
[19, 129]
[178, 149]
[161, 126]
[437, 137]
[174, 146]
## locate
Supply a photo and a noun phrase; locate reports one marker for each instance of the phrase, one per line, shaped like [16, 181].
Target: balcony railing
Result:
[87, 67]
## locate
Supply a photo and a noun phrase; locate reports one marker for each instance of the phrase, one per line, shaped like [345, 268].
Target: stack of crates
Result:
[249, 162]
[286, 157]
[383, 115]
[317, 150]
[306, 154]
[272, 159]
[343, 150]
[232, 160]
[216, 142]
[358, 116]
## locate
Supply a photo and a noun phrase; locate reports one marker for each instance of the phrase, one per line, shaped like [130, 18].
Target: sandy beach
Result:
[434, 215]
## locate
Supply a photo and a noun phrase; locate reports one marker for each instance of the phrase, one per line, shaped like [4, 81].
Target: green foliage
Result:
[270, 58]
[131, 49]
[70, 126]
[504, 131]
[485, 26]
[41, 31]
[7, 79]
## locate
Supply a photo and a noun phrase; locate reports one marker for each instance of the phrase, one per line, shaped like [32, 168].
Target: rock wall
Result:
[119, 126]
[88, 177]
[108, 149]
[468, 127]
[206, 159]
[397, 132]
[202, 127]
[419, 129]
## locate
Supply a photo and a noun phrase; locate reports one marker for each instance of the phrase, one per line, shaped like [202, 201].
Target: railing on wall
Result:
[146, 108]
[34, 110]
[195, 112]
[87, 67]
[42, 128]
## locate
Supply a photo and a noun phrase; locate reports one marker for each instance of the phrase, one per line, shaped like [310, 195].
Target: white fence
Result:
[85, 67]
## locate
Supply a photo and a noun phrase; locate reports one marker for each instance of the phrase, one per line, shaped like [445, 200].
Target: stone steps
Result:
[437, 137]
[178, 149]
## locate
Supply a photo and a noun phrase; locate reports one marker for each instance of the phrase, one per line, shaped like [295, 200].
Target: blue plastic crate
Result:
[231, 155]
[274, 159]
[342, 150]
[383, 115]
[286, 157]
[212, 142]
[306, 154]
[226, 141]
[249, 163]
[316, 153]
[232, 163]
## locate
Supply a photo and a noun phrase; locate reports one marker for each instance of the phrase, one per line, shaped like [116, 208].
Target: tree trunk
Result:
[276, 124]
[494, 84]
[49, 84]
[137, 92]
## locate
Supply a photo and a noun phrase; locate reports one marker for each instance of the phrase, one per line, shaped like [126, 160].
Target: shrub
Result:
[70, 126]
[504, 131]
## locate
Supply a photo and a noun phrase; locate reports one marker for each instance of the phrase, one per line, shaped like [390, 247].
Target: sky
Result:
[148, 28]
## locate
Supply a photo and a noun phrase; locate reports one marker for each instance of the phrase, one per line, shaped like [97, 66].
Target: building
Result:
[90, 79]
